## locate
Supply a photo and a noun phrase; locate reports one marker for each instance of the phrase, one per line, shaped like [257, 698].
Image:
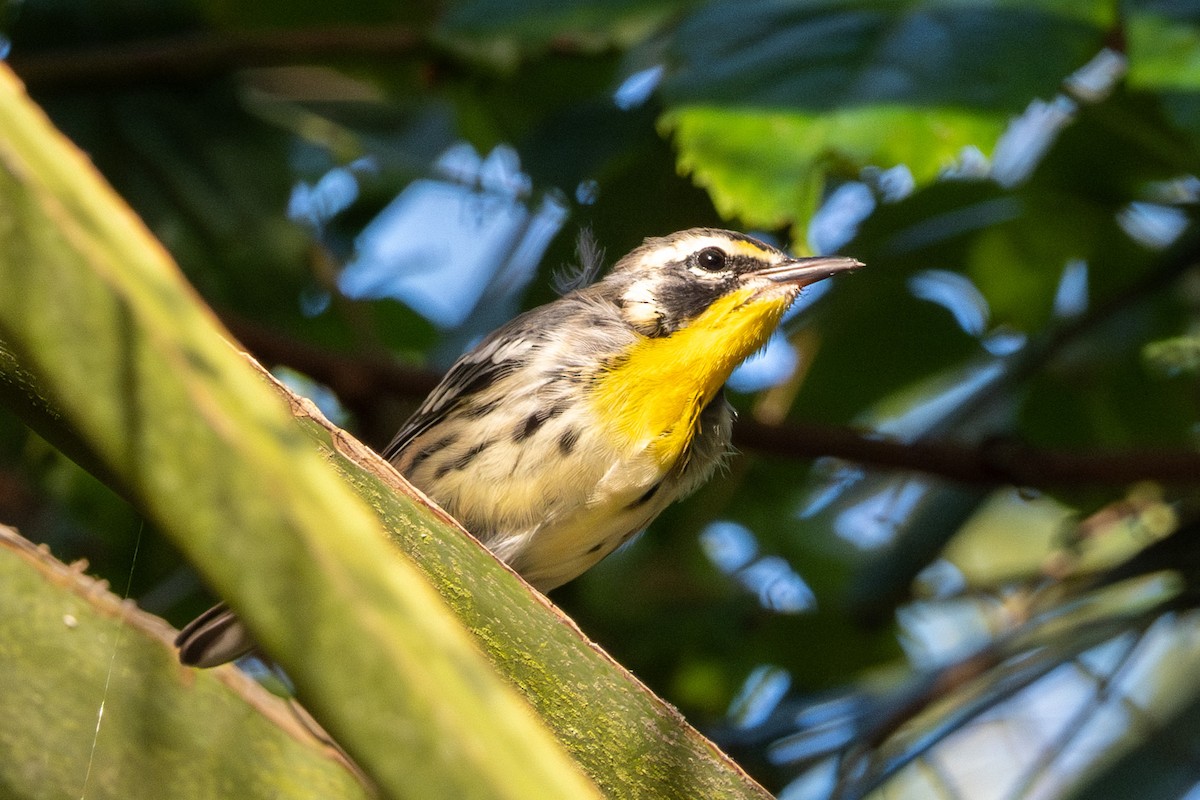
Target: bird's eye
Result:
[711, 258]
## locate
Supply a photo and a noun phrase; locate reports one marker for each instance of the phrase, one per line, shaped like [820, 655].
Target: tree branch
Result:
[195, 56]
[361, 381]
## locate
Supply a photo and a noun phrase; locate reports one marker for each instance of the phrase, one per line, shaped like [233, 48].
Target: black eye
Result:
[711, 259]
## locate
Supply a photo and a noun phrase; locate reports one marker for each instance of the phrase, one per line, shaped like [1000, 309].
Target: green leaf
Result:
[767, 100]
[838, 54]
[769, 168]
[1164, 56]
[1164, 52]
[106, 711]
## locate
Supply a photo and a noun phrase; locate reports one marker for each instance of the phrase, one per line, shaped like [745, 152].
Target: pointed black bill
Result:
[808, 270]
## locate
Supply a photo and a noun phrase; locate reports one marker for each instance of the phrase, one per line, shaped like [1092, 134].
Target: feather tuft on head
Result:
[590, 258]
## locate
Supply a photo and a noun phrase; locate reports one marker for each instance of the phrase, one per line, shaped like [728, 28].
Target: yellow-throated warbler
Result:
[566, 431]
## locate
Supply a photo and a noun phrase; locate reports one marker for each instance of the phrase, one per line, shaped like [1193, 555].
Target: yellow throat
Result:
[652, 395]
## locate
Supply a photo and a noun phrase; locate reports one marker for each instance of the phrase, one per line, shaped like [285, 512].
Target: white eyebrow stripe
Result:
[680, 250]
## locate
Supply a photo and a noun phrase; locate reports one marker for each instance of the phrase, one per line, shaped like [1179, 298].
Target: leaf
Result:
[768, 168]
[837, 54]
[767, 99]
[70, 649]
[1164, 56]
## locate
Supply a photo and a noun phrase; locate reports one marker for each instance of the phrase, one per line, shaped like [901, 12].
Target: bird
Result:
[566, 431]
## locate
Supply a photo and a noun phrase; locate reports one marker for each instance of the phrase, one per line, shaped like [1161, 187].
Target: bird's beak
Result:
[804, 271]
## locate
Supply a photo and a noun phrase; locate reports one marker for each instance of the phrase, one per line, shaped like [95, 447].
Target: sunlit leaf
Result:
[107, 712]
[768, 168]
[766, 99]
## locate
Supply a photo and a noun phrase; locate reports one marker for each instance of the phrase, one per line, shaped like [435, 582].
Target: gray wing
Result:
[495, 357]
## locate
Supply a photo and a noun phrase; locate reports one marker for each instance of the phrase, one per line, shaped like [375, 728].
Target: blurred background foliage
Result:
[957, 554]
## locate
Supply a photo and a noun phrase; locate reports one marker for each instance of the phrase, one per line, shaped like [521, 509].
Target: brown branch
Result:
[994, 461]
[360, 382]
[196, 56]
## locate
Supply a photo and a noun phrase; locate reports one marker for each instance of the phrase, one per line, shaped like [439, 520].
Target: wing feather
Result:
[496, 357]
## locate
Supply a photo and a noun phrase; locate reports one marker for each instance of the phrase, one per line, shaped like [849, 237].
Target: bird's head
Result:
[705, 276]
